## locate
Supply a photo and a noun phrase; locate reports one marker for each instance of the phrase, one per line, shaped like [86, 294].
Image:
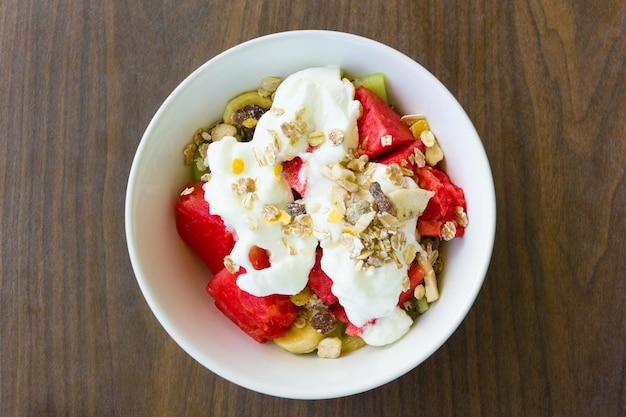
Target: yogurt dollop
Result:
[248, 191]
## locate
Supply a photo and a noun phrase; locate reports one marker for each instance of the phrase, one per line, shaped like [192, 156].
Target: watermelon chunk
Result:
[202, 231]
[441, 207]
[405, 156]
[320, 283]
[262, 318]
[380, 128]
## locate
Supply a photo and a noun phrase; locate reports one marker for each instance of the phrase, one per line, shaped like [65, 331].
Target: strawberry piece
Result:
[416, 277]
[441, 207]
[292, 170]
[380, 128]
[202, 231]
[262, 318]
[320, 283]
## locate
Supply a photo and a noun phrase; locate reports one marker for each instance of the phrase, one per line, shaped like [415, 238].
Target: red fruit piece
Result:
[405, 156]
[416, 276]
[262, 318]
[441, 207]
[292, 170]
[380, 128]
[202, 231]
[259, 258]
[320, 283]
[340, 314]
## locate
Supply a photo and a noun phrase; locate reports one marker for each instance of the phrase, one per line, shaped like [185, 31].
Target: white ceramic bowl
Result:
[172, 279]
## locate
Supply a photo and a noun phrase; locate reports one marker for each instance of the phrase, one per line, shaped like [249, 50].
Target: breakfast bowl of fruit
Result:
[310, 214]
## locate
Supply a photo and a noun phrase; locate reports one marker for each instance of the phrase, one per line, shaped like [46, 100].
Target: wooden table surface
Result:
[544, 83]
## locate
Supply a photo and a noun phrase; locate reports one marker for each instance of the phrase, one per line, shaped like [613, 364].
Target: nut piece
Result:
[419, 292]
[410, 119]
[434, 154]
[189, 152]
[448, 230]
[269, 85]
[221, 130]
[230, 265]
[460, 216]
[431, 291]
[329, 347]
[428, 138]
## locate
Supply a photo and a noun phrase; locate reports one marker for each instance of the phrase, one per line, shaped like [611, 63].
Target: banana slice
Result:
[300, 339]
[409, 202]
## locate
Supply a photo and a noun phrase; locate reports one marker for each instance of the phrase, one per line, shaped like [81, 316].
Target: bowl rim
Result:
[162, 317]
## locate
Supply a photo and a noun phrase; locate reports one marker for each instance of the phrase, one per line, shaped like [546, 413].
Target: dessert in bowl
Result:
[173, 279]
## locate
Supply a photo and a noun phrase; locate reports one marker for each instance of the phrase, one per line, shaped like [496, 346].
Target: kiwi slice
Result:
[241, 101]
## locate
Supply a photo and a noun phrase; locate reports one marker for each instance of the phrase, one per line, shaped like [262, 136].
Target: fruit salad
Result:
[320, 211]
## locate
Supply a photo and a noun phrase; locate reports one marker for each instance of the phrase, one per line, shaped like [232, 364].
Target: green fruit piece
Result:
[374, 82]
[300, 340]
[422, 305]
[243, 100]
[350, 344]
[198, 167]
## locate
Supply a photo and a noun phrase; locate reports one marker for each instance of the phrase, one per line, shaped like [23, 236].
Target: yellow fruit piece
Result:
[249, 123]
[300, 339]
[334, 217]
[302, 297]
[278, 169]
[282, 218]
[348, 231]
[237, 166]
[418, 127]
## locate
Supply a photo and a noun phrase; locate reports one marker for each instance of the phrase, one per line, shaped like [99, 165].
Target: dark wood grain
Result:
[543, 82]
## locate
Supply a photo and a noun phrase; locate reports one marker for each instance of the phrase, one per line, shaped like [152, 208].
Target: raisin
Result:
[249, 112]
[383, 202]
[323, 320]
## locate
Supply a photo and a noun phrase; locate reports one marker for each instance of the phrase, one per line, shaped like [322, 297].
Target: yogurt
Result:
[248, 191]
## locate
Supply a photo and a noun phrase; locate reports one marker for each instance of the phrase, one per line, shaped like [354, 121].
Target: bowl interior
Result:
[172, 279]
